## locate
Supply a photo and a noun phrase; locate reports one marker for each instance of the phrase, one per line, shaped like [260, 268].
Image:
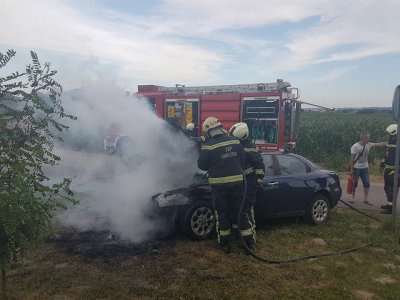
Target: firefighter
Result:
[223, 158]
[389, 162]
[190, 132]
[254, 169]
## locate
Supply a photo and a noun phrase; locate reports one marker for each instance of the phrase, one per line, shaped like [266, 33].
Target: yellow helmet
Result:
[392, 129]
[190, 127]
[240, 131]
[211, 123]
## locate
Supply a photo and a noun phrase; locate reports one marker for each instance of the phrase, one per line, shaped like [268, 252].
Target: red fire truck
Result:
[271, 110]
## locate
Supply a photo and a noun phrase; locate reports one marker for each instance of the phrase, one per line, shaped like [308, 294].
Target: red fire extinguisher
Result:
[350, 185]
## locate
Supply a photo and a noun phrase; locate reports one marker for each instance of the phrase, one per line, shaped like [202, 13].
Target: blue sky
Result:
[339, 53]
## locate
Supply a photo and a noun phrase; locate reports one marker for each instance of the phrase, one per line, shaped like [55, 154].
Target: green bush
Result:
[31, 120]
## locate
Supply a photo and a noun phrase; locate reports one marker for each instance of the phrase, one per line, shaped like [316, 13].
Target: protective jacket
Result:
[389, 170]
[390, 153]
[223, 158]
[254, 166]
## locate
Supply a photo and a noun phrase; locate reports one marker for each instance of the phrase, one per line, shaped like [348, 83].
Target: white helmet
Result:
[392, 129]
[240, 131]
[211, 123]
[190, 127]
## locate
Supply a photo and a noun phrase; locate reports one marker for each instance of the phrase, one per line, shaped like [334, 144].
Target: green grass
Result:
[326, 137]
[198, 270]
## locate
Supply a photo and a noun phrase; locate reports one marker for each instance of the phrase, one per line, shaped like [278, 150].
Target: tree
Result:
[31, 117]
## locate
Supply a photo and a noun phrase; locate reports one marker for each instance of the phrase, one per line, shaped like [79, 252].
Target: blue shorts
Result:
[363, 173]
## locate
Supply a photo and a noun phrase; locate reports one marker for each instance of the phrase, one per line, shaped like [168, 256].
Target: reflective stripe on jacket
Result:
[254, 161]
[390, 153]
[223, 158]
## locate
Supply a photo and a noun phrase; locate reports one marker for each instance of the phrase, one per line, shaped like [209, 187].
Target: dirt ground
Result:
[376, 195]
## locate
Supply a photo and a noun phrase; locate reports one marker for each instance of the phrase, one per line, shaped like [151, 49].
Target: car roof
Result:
[278, 153]
[281, 153]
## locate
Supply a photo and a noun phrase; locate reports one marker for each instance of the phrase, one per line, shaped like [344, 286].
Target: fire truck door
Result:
[181, 112]
[261, 116]
[289, 121]
[296, 123]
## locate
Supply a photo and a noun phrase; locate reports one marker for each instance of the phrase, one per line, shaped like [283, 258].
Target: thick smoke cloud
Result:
[115, 194]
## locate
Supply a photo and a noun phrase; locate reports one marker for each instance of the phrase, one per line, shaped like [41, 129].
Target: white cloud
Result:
[333, 74]
[192, 41]
[202, 16]
[337, 25]
[362, 29]
[58, 26]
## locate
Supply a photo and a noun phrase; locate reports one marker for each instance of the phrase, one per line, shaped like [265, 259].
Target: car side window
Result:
[269, 165]
[290, 165]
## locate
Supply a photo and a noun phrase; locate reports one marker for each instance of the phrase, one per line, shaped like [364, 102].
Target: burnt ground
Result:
[105, 245]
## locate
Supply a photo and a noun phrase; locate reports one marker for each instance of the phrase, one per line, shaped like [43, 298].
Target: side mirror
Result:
[396, 104]
[297, 95]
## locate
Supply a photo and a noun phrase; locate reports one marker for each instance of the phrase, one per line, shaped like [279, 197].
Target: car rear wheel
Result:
[319, 210]
[198, 221]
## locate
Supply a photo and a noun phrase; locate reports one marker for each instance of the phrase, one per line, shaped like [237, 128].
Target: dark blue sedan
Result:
[293, 186]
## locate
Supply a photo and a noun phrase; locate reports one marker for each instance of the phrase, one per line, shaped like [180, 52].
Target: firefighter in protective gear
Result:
[389, 161]
[223, 158]
[190, 127]
[190, 132]
[254, 169]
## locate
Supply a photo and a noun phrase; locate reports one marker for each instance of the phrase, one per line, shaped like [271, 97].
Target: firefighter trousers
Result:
[388, 177]
[251, 195]
[227, 199]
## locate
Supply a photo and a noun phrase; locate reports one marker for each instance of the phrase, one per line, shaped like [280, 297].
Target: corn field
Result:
[326, 137]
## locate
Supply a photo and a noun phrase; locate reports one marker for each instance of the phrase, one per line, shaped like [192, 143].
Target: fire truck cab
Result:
[271, 110]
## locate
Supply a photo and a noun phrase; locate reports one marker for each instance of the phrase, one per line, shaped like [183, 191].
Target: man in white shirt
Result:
[359, 163]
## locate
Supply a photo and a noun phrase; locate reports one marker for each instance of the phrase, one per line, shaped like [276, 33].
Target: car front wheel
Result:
[198, 222]
[319, 210]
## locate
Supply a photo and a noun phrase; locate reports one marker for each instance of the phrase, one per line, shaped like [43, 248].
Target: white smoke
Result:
[115, 195]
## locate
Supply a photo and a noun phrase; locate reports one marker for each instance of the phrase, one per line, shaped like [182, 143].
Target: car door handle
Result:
[273, 183]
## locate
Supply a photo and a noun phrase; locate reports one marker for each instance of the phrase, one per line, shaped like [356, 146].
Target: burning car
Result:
[293, 186]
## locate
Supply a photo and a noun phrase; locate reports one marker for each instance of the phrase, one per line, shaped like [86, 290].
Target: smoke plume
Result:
[115, 194]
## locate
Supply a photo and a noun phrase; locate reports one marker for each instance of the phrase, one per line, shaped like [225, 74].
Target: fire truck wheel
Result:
[319, 210]
[198, 221]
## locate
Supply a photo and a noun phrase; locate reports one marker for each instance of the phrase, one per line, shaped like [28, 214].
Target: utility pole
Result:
[396, 115]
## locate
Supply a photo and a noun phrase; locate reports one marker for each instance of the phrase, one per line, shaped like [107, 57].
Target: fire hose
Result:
[307, 257]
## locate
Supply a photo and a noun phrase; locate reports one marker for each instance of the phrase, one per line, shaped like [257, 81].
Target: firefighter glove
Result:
[260, 182]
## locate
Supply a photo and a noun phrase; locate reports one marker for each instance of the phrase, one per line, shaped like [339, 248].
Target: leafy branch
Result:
[31, 115]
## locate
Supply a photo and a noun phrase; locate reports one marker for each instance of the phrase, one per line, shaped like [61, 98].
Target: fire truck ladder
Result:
[278, 86]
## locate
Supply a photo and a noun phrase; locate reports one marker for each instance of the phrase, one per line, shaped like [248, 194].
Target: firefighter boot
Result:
[225, 244]
[235, 232]
[249, 241]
